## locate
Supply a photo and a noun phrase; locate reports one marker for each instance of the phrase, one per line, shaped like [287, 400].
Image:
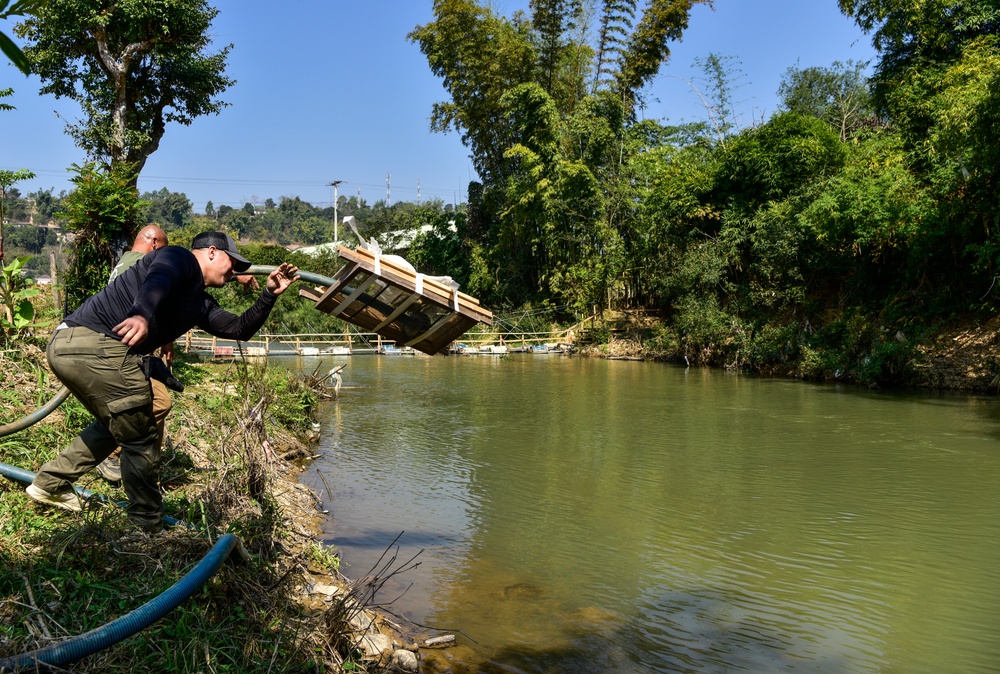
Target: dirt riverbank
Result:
[961, 356]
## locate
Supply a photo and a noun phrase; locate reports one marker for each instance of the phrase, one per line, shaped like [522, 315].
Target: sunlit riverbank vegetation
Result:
[829, 240]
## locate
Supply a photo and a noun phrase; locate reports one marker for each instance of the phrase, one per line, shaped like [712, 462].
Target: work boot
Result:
[111, 470]
[67, 500]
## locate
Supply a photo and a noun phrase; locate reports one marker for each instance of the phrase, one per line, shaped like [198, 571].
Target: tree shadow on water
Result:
[678, 633]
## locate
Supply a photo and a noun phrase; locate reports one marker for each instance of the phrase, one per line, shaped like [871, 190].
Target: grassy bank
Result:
[63, 574]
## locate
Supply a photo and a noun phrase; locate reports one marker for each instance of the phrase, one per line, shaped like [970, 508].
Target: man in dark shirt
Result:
[146, 241]
[96, 352]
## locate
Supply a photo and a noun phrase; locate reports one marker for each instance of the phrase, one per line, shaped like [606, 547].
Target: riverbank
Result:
[235, 437]
[963, 355]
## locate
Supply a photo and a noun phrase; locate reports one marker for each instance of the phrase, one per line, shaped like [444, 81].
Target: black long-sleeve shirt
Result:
[166, 288]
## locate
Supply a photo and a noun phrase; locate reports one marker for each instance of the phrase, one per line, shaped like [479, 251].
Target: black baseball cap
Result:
[223, 242]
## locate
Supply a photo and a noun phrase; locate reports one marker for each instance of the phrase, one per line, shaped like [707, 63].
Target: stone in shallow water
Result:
[404, 660]
[375, 646]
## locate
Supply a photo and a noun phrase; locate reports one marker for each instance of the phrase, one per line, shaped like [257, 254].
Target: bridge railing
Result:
[265, 344]
[346, 343]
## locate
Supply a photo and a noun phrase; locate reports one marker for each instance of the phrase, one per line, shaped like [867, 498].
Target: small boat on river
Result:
[393, 350]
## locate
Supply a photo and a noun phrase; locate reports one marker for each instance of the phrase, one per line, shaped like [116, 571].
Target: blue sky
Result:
[332, 90]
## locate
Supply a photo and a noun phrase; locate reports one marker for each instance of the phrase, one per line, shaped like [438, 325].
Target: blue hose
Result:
[26, 476]
[121, 628]
[98, 639]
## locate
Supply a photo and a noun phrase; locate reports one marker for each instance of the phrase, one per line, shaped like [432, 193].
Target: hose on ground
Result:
[121, 628]
[98, 639]
[36, 416]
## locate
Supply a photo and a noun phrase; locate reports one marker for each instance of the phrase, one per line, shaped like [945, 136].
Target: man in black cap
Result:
[97, 353]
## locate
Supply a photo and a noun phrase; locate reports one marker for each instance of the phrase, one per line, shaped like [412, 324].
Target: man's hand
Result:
[282, 277]
[248, 281]
[167, 351]
[132, 330]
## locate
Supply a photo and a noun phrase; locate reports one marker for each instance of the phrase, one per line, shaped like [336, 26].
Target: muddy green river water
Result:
[585, 515]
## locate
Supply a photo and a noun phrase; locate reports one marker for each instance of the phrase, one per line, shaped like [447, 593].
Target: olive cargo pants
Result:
[105, 376]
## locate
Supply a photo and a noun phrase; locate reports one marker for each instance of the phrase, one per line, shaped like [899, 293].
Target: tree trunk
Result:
[55, 279]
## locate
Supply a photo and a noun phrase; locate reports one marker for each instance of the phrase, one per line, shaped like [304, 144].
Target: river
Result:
[584, 515]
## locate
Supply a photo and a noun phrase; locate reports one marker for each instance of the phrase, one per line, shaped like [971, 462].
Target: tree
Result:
[616, 21]
[838, 95]
[7, 46]
[554, 196]
[28, 237]
[46, 205]
[662, 22]
[133, 66]
[170, 210]
[8, 178]
[919, 34]
[771, 162]
[105, 212]
[479, 57]
[719, 82]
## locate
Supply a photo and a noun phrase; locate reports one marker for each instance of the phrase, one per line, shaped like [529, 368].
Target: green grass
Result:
[62, 574]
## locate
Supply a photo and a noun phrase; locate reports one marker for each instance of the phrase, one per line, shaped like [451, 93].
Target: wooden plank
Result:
[393, 319]
[469, 299]
[406, 279]
[313, 294]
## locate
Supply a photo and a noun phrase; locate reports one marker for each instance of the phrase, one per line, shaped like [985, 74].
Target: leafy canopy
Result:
[133, 66]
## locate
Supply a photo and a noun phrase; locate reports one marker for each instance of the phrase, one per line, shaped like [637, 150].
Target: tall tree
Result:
[8, 178]
[617, 17]
[661, 22]
[838, 95]
[559, 29]
[554, 194]
[479, 57]
[132, 65]
[170, 210]
[911, 34]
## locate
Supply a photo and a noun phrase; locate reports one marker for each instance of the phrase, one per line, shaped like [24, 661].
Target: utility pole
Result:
[336, 236]
[388, 199]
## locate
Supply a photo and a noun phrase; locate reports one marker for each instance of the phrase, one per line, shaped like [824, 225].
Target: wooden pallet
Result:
[410, 309]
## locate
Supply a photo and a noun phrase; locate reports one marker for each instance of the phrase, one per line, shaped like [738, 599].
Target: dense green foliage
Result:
[105, 213]
[824, 240]
[7, 46]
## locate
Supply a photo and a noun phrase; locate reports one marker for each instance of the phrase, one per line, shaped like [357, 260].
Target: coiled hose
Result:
[107, 635]
[88, 643]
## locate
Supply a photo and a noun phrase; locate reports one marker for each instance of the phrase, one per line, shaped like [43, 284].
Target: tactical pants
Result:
[105, 376]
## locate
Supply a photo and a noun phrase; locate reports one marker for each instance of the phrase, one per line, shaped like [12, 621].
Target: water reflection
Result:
[588, 515]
